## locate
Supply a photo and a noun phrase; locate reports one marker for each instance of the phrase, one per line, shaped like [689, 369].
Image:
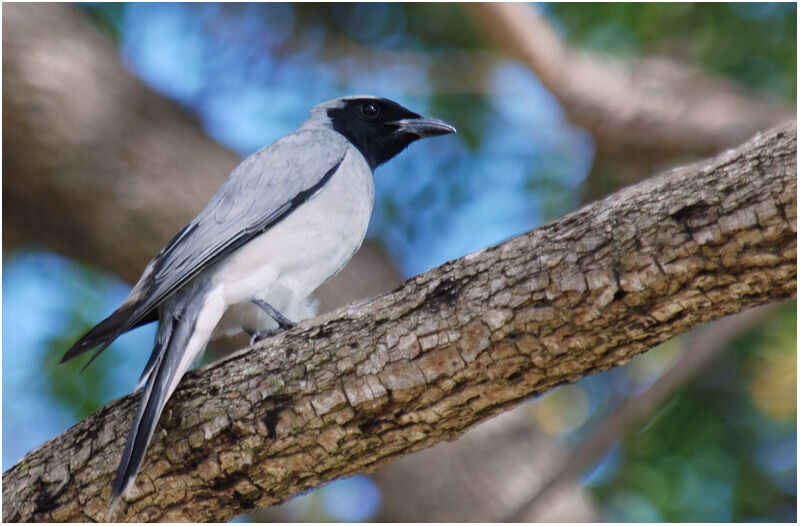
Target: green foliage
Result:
[713, 453]
[85, 392]
[471, 125]
[754, 43]
[107, 17]
[442, 25]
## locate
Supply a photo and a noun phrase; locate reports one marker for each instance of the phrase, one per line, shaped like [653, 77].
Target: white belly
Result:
[287, 263]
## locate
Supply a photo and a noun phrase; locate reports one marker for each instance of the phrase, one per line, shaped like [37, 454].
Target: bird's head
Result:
[378, 127]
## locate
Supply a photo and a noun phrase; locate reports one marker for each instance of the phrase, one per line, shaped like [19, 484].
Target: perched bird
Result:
[287, 219]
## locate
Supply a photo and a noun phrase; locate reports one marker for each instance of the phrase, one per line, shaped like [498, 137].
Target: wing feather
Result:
[259, 193]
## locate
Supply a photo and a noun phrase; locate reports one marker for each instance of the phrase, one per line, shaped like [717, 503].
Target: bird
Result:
[287, 219]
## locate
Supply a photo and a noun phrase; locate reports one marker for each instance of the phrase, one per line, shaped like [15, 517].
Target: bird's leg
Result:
[282, 321]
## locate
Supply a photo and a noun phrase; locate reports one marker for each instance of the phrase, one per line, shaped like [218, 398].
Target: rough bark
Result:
[654, 109]
[350, 390]
[710, 341]
[492, 468]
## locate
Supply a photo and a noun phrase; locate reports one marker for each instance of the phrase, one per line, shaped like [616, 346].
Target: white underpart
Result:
[287, 263]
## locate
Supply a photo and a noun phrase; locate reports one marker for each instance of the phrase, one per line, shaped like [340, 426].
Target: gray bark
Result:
[350, 390]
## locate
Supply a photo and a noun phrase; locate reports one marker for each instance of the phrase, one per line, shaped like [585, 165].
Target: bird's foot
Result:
[263, 335]
[282, 321]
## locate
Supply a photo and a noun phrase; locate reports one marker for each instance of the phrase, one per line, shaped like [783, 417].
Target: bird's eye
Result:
[370, 109]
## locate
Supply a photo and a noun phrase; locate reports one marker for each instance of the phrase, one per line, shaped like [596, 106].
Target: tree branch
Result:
[698, 352]
[348, 391]
[86, 143]
[653, 109]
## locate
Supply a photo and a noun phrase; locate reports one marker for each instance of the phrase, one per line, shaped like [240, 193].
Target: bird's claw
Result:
[263, 335]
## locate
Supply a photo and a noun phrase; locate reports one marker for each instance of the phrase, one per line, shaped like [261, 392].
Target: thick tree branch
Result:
[710, 341]
[350, 390]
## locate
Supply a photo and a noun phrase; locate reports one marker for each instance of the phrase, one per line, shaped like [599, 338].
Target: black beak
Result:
[424, 126]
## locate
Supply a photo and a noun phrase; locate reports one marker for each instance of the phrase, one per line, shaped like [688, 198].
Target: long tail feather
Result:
[185, 326]
[151, 364]
[166, 372]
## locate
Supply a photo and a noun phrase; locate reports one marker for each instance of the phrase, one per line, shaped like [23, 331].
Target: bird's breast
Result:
[309, 245]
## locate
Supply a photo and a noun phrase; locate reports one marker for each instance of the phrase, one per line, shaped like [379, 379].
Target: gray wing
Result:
[258, 194]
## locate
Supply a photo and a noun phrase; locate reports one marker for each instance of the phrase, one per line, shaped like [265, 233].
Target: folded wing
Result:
[259, 193]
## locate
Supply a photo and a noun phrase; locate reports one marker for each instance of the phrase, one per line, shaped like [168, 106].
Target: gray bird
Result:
[287, 219]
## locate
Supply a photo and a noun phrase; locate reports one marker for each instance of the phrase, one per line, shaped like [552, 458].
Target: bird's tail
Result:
[101, 334]
[106, 332]
[172, 356]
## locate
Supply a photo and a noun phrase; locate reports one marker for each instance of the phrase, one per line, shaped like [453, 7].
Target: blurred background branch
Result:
[87, 144]
[649, 111]
[101, 168]
[702, 347]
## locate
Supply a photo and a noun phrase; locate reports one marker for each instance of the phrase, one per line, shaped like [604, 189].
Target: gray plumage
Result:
[287, 218]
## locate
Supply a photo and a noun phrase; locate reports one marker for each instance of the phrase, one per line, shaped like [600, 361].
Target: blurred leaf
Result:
[754, 43]
[106, 16]
[718, 455]
[773, 369]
